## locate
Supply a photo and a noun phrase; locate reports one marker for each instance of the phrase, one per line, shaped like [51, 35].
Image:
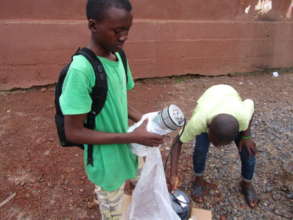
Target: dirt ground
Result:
[45, 181]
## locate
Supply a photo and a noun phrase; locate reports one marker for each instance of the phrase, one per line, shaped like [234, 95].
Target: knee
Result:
[250, 160]
[202, 143]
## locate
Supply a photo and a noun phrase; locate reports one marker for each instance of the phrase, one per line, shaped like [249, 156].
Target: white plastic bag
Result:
[142, 150]
[150, 198]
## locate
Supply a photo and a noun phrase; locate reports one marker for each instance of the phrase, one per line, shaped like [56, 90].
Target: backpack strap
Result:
[99, 91]
[98, 94]
[124, 61]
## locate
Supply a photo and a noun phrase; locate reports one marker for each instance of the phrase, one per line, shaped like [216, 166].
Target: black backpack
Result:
[98, 95]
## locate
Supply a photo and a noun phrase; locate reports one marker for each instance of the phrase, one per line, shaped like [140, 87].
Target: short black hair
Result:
[225, 127]
[95, 9]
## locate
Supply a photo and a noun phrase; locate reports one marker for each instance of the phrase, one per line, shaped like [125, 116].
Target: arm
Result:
[196, 125]
[192, 128]
[134, 114]
[175, 155]
[247, 132]
[76, 132]
[246, 140]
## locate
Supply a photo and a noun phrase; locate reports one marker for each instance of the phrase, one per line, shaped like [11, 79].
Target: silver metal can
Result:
[171, 117]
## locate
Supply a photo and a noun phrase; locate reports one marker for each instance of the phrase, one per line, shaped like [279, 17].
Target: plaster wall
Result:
[176, 37]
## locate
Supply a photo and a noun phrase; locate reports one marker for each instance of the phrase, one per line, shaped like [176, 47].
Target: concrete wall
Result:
[176, 37]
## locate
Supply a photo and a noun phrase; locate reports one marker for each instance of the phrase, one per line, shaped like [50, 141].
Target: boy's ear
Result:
[92, 24]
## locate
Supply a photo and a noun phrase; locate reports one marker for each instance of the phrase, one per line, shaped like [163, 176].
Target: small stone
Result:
[277, 212]
[268, 189]
[288, 168]
[284, 188]
[276, 196]
[290, 195]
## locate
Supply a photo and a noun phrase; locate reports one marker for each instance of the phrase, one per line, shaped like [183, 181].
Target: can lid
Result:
[176, 115]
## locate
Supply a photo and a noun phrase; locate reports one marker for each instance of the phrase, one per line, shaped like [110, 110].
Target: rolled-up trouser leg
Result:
[201, 149]
[111, 202]
[248, 162]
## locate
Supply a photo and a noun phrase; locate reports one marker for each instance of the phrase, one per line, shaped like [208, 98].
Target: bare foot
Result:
[200, 189]
[249, 193]
[198, 193]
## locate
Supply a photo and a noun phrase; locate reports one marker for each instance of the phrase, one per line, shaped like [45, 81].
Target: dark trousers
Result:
[201, 149]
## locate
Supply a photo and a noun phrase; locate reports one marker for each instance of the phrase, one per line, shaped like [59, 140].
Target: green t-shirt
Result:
[112, 163]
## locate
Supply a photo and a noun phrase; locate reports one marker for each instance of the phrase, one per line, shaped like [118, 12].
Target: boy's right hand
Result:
[173, 183]
[142, 136]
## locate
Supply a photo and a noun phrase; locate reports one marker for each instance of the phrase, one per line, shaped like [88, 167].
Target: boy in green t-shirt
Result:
[109, 22]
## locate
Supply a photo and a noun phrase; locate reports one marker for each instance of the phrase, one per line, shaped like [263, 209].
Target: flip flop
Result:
[249, 195]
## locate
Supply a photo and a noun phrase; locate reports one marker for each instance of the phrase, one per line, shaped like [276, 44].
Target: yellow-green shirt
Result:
[218, 99]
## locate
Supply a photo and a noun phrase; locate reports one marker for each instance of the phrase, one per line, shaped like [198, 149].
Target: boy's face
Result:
[111, 33]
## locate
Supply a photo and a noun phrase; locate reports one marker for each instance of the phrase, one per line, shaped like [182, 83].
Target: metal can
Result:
[171, 117]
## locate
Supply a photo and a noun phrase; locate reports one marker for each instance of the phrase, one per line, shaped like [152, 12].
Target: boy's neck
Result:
[102, 52]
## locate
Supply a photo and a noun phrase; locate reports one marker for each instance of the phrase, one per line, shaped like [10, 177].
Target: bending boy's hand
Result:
[173, 183]
[249, 144]
[173, 179]
[146, 138]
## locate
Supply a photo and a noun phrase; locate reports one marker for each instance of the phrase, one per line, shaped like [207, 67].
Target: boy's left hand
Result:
[249, 144]
[128, 187]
